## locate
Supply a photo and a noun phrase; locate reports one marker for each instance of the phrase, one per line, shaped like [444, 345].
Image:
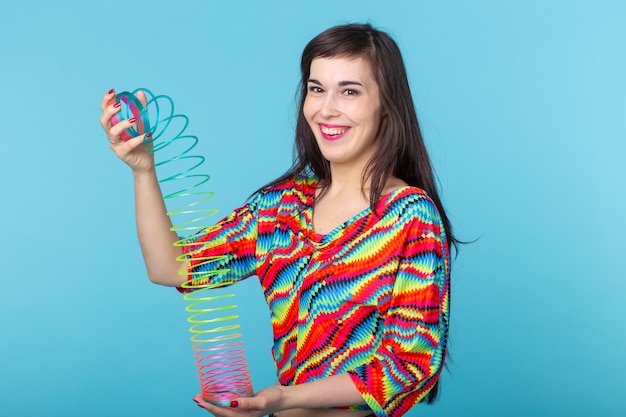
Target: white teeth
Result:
[332, 130]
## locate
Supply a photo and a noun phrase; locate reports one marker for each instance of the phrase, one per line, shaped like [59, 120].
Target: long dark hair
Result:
[402, 153]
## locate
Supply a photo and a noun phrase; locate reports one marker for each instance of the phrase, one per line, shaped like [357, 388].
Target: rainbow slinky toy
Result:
[218, 350]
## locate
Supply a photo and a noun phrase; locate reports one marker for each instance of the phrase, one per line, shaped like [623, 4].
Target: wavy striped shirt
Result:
[370, 298]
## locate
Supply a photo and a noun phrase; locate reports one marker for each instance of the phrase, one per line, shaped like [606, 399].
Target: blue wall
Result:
[523, 105]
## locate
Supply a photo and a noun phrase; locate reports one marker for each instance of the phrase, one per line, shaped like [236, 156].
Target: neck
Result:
[347, 181]
[347, 178]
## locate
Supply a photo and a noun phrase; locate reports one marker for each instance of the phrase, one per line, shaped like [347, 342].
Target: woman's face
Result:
[343, 109]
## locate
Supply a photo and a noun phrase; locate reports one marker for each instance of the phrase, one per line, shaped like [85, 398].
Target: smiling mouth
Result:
[333, 132]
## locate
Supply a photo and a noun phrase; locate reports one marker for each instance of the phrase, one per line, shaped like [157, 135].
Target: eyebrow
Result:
[341, 83]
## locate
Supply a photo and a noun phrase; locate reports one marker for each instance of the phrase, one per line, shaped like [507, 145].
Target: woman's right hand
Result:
[154, 227]
[134, 152]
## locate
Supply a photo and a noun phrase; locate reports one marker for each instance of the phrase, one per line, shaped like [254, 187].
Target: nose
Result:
[330, 107]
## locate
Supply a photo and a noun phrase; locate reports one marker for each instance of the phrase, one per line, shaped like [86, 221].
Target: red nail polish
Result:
[149, 135]
[117, 105]
[133, 120]
[111, 91]
[234, 404]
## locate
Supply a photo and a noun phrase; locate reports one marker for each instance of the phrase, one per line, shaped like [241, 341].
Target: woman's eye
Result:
[315, 89]
[350, 92]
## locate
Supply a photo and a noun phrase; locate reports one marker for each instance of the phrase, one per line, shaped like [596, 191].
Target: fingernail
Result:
[234, 404]
[149, 135]
[133, 120]
[117, 105]
[111, 91]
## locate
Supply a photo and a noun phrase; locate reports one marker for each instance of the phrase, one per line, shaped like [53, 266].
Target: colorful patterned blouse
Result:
[369, 299]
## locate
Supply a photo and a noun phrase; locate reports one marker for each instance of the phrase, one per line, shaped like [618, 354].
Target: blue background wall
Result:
[523, 105]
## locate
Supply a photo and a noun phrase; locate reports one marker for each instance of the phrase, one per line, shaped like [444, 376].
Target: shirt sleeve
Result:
[409, 360]
[224, 253]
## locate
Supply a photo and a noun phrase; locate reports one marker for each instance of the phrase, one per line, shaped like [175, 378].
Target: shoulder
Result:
[410, 204]
[415, 216]
[298, 190]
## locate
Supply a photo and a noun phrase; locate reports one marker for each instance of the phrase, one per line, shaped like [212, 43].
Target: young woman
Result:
[351, 245]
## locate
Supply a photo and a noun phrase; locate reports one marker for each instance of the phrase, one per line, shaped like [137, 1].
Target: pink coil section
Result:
[218, 349]
[219, 355]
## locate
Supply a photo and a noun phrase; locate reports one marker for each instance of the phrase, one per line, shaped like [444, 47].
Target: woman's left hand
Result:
[264, 402]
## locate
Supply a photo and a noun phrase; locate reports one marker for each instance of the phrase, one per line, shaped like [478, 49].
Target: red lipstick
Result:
[333, 132]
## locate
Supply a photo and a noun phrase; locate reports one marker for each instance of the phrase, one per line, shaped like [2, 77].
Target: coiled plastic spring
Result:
[218, 350]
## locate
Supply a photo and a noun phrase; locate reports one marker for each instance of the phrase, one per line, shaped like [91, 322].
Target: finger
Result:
[117, 129]
[247, 403]
[202, 402]
[217, 410]
[250, 404]
[107, 113]
[206, 405]
[107, 99]
[130, 144]
[138, 140]
[141, 96]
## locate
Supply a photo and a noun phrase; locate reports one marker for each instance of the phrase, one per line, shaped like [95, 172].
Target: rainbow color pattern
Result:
[370, 298]
[217, 345]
